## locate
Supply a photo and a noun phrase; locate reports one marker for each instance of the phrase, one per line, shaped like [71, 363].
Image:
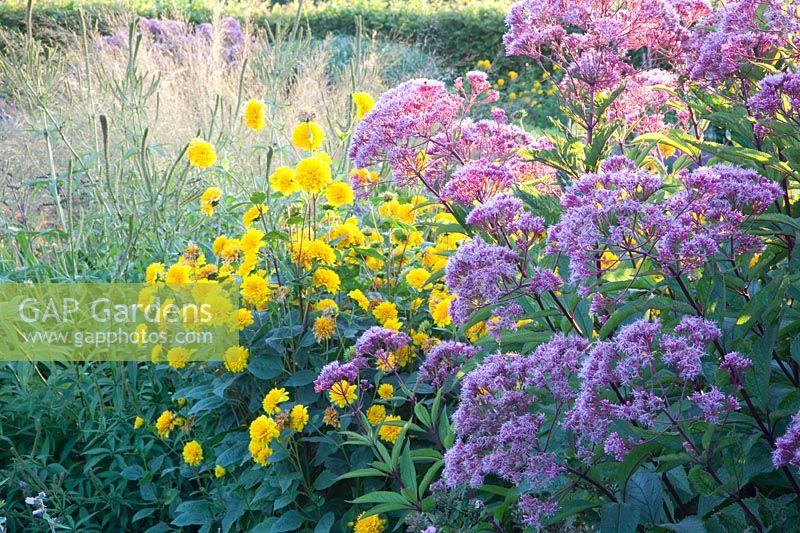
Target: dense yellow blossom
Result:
[236, 358]
[192, 453]
[284, 180]
[324, 327]
[219, 471]
[264, 429]
[255, 289]
[243, 318]
[298, 417]
[339, 193]
[364, 104]
[201, 154]
[165, 423]
[359, 298]
[209, 200]
[178, 275]
[138, 422]
[308, 136]
[376, 413]
[389, 433]
[255, 115]
[178, 357]
[253, 214]
[260, 451]
[369, 524]
[272, 400]
[325, 277]
[305, 252]
[347, 234]
[154, 273]
[313, 174]
[385, 311]
[385, 391]
[417, 277]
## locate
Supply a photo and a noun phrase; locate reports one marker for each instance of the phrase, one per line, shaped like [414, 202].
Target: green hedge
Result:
[458, 33]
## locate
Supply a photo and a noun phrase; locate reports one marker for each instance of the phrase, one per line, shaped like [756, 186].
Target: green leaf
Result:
[702, 481]
[290, 521]
[619, 518]
[383, 496]
[325, 480]
[690, 524]
[133, 472]
[258, 197]
[645, 492]
[142, 513]
[408, 474]
[325, 523]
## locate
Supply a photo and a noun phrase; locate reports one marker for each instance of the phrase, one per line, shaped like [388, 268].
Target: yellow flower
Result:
[339, 193]
[284, 181]
[385, 391]
[313, 174]
[375, 414]
[253, 214]
[251, 242]
[138, 422]
[326, 304]
[298, 417]
[476, 331]
[324, 327]
[484, 64]
[255, 289]
[512, 75]
[255, 116]
[364, 104]
[155, 271]
[393, 324]
[390, 433]
[369, 524]
[219, 471]
[273, 398]
[417, 277]
[359, 298]
[180, 401]
[441, 312]
[264, 429]
[501, 82]
[385, 311]
[342, 393]
[608, 259]
[209, 200]
[165, 423]
[308, 136]
[347, 234]
[178, 274]
[192, 453]
[236, 358]
[260, 451]
[178, 357]
[325, 277]
[666, 150]
[244, 318]
[304, 252]
[201, 154]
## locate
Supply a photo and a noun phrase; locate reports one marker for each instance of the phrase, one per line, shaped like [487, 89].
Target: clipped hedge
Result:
[459, 33]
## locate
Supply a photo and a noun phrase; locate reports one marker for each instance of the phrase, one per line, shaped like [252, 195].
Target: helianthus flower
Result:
[251, 242]
[342, 393]
[375, 414]
[389, 433]
[272, 399]
[284, 180]
[178, 274]
[178, 357]
[201, 153]
[364, 104]
[313, 174]
[385, 311]
[236, 358]
[264, 429]
[359, 298]
[165, 423]
[219, 471]
[209, 200]
[260, 451]
[138, 422]
[369, 524]
[385, 391]
[325, 277]
[155, 272]
[255, 289]
[298, 417]
[253, 214]
[339, 193]
[255, 116]
[441, 312]
[328, 306]
[347, 234]
[417, 277]
[244, 318]
[192, 453]
[324, 328]
[308, 135]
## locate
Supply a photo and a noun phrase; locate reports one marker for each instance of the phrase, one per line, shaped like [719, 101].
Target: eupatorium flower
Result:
[444, 361]
[787, 447]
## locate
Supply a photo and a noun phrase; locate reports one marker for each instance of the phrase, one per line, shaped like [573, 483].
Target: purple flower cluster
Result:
[778, 97]
[480, 274]
[643, 104]
[377, 339]
[618, 210]
[787, 447]
[685, 350]
[713, 403]
[335, 371]
[444, 361]
[736, 33]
